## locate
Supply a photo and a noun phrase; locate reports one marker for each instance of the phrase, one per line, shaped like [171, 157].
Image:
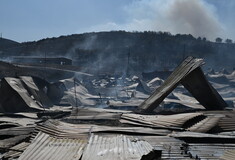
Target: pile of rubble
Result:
[118, 117]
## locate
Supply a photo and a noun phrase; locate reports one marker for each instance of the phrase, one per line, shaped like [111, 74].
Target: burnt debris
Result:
[190, 75]
[115, 116]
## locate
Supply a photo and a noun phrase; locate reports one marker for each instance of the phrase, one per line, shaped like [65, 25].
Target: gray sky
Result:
[29, 20]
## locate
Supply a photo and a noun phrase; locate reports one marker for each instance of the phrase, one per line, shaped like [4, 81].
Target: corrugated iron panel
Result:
[18, 86]
[228, 155]
[10, 142]
[66, 130]
[115, 148]
[185, 68]
[171, 147]
[90, 114]
[227, 123]
[206, 124]
[38, 94]
[45, 147]
[188, 134]
[167, 121]
[190, 75]
[210, 150]
[16, 151]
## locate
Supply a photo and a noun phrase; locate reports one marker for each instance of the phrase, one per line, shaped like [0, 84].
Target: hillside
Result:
[6, 44]
[143, 51]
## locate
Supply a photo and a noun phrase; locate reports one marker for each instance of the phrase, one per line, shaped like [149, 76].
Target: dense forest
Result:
[119, 50]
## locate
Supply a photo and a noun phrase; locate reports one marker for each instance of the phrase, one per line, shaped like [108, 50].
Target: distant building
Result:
[41, 60]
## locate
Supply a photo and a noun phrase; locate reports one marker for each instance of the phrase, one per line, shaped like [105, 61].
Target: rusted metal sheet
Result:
[45, 147]
[115, 148]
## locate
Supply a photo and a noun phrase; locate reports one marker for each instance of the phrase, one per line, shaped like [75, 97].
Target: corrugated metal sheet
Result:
[206, 124]
[188, 134]
[228, 155]
[115, 148]
[10, 142]
[223, 120]
[170, 84]
[18, 86]
[210, 150]
[16, 151]
[171, 147]
[227, 123]
[90, 114]
[19, 120]
[168, 121]
[66, 130]
[45, 147]
[15, 131]
[38, 94]
[191, 76]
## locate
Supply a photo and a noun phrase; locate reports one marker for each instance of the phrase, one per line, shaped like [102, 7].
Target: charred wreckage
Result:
[189, 115]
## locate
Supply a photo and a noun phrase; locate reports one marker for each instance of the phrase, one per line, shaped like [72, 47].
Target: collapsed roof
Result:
[190, 75]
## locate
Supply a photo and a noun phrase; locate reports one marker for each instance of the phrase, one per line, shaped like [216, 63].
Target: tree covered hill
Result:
[143, 51]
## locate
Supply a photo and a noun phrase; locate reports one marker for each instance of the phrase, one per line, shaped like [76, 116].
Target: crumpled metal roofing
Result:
[190, 75]
[166, 121]
[38, 94]
[16, 151]
[171, 147]
[223, 151]
[18, 85]
[116, 147]
[45, 147]
[227, 123]
[89, 114]
[228, 155]
[66, 130]
[206, 124]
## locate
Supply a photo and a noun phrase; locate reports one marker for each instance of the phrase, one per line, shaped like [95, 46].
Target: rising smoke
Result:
[196, 17]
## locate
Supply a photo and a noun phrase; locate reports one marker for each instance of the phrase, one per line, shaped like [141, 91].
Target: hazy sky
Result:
[29, 20]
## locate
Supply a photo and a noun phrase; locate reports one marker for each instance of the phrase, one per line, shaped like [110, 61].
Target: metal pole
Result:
[45, 54]
[128, 61]
[75, 93]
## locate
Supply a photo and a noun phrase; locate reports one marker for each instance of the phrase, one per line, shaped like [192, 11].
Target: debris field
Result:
[56, 112]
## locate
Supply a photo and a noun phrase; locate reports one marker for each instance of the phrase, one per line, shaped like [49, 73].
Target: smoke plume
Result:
[196, 17]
